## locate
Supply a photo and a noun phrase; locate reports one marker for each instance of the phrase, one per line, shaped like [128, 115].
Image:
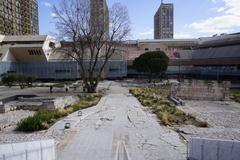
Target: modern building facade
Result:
[43, 57]
[164, 21]
[100, 16]
[19, 17]
[211, 57]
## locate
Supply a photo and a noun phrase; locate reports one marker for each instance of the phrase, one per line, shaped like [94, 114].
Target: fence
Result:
[209, 149]
[60, 70]
[37, 150]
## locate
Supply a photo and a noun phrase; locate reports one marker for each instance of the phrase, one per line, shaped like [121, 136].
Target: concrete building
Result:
[212, 57]
[100, 15]
[19, 17]
[43, 57]
[164, 21]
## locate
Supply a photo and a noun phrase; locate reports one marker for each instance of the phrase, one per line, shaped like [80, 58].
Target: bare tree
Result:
[93, 37]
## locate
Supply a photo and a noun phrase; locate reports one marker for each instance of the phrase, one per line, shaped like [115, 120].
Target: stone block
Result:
[2, 108]
[48, 105]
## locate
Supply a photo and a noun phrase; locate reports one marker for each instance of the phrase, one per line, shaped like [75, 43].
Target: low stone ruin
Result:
[201, 90]
[37, 103]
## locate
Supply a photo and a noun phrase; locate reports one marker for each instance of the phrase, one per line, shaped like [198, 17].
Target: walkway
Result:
[121, 129]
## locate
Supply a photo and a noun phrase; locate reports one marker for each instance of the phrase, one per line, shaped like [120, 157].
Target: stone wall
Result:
[201, 90]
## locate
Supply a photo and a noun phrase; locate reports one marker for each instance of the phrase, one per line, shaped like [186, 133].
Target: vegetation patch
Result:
[43, 119]
[157, 99]
[235, 95]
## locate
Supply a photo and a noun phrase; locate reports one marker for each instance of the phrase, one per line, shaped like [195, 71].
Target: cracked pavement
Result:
[122, 129]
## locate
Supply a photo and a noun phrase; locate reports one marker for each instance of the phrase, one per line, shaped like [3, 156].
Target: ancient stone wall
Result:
[2, 108]
[201, 90]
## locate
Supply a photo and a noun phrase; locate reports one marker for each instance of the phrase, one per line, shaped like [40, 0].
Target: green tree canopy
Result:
[153, 63]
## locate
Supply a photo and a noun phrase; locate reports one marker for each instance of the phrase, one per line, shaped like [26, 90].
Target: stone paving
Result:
[223, 118]
[122, 120]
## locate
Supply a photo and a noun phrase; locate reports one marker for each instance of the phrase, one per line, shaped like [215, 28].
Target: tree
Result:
[9, 79]
[22, 80]
[91, 42]
[152, 63]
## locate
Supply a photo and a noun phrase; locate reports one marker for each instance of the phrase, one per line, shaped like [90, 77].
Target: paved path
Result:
[121, 129]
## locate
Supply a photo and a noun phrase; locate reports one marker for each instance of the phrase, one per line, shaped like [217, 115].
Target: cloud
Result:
[47, 4]
[183, 35]
[146, 34]
[226, 22]
[53, 15]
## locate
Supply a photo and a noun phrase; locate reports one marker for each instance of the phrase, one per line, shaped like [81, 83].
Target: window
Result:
[34, 52]
[113, 69]
[158, 49]
[52, 45]
[146, 49]
[60, 71]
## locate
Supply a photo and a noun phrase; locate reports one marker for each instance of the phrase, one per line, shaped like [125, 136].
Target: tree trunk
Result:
[90, 84]
[150, 77]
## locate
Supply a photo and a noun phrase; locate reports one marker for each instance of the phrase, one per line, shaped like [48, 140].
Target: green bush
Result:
[38, 121]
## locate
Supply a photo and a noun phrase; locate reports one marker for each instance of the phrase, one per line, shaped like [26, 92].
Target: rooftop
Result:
[25, 38]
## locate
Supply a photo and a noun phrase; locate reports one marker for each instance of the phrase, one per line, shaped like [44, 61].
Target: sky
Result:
[192, 18]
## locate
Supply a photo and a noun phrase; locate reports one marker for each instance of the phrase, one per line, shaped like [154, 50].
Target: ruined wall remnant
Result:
[201, 90]
[2, 108]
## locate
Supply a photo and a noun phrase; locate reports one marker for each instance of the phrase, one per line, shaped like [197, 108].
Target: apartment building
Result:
[100, 15]
[164, 21]
[19, 17]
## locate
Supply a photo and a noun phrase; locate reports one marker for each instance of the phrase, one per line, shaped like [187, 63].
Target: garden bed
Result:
[157, 100]
[235, 95]
[43, 119]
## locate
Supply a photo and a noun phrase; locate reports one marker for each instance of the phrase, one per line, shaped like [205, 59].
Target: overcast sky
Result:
[192, 18]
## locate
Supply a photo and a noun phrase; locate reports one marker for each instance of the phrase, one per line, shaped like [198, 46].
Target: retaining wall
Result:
[209, 149]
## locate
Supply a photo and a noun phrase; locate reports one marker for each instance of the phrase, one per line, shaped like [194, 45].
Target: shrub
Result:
[43, 120]
[59, 113]
[167, 112]
[10, 79]
[39, 121]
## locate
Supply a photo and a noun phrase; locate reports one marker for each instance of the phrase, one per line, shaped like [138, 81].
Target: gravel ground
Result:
[223, 118]
[8, 134]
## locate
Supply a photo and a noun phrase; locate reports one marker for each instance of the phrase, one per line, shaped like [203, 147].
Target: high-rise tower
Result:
[100, 15]
[19, 17]
[164, 21]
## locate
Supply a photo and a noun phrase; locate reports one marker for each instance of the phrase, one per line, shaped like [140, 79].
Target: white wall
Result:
[209, 149]
[36, 150]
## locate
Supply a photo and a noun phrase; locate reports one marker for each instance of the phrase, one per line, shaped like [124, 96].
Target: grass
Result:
[43, 119]
[235, 95]
[157, 99]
